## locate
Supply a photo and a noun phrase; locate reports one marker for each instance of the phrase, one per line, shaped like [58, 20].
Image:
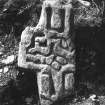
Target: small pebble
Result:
[1, 53]
[10, 59]
[6, 69]
[1, 70]
[92, 97]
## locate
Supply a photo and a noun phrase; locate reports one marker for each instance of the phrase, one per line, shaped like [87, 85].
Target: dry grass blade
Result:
[91, 15]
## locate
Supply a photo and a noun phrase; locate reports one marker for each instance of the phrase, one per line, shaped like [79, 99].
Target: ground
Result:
[20, 87]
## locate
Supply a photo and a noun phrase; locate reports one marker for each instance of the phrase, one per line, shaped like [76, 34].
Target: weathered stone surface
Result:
[49, 50]
[69, 81]
[55, 19]
[45, 85]
[61, 60]
[49, 59]
[56, 65]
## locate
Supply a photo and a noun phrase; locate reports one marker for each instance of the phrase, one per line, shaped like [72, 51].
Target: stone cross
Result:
[48, 49]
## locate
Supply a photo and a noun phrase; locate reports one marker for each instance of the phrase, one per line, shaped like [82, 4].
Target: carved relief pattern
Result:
[48, 49]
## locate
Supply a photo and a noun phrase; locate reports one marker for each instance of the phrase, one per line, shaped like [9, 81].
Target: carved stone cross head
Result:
[48, 49]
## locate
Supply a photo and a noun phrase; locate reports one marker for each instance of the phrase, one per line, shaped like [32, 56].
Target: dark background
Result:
[15, 15]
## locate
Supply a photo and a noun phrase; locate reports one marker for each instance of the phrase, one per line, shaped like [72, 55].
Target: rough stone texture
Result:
[49, 50]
